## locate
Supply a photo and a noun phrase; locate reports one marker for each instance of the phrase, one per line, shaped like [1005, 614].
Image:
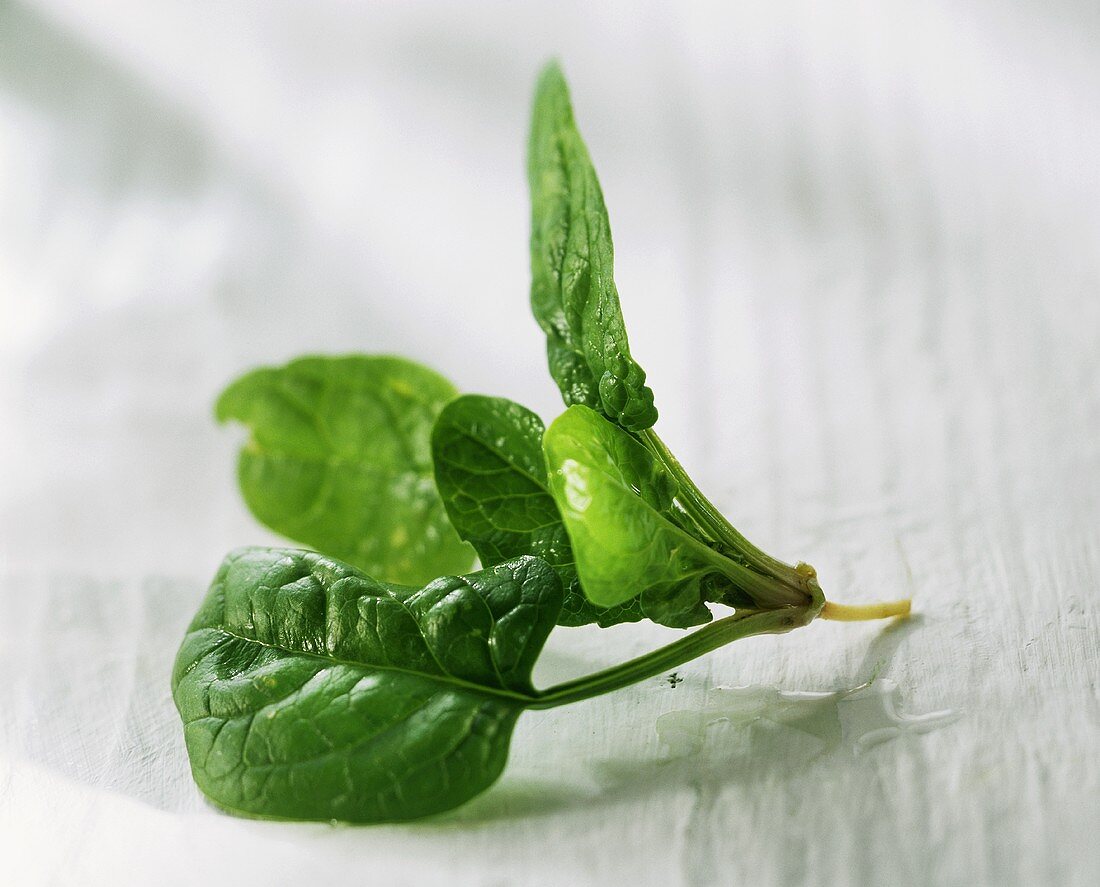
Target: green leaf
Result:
[629, 538]
[339, 460]
[491, 473]
[311, 691]
[573, 292]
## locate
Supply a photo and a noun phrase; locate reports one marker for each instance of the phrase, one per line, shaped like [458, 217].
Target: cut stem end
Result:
[848, 613]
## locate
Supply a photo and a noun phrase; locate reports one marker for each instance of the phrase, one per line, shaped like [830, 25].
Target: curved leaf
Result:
[618, 504]
[573, 292]
[338, 459]
[311, 691]
[491, 473]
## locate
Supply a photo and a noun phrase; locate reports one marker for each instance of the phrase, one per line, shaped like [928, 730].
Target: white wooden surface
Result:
[858, 250]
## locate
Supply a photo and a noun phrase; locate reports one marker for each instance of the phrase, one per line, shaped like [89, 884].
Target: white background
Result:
[859, 253]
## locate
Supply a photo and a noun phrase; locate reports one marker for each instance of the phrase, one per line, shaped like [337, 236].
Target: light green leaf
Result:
[339, 460]
[311, 691]
[628, 536]
[491, 473]
[573, 294]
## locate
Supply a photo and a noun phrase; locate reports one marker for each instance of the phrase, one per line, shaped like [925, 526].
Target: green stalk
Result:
[709, 637]
[767, 592]
[802, 579]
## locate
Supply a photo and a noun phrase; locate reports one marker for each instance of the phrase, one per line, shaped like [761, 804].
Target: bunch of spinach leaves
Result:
[365, 681]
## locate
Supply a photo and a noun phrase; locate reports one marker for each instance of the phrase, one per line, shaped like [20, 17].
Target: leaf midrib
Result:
[513, 696]
[503, 457]
[254, 448]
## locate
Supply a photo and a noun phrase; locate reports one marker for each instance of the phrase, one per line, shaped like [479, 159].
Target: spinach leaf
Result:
[491, 473]
[339, 460]
[311, 691]
[308, 690]
[629, 538]
[573, 292]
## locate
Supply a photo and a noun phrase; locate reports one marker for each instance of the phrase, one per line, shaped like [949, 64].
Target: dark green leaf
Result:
[311, 691]
[491, 473]
[573, 292]
[339, 460]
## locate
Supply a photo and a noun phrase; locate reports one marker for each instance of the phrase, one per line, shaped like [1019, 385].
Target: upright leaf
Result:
[491, 473]
[618, 504]
[339, 460]
[310, 691]
[573, 292]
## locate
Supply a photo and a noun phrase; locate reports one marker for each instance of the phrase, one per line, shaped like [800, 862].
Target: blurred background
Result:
[857, 247]
[192, 189]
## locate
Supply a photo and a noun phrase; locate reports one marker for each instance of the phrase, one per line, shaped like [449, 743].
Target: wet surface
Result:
[838, 721]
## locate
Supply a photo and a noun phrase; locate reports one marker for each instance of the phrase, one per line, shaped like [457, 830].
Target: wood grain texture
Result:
[857, 253]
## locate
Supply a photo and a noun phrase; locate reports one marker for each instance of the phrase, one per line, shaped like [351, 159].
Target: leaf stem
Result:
[801, 579]
[709, 637]
[850, 613]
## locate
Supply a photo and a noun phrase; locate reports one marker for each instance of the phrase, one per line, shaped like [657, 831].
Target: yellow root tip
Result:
[847, 613]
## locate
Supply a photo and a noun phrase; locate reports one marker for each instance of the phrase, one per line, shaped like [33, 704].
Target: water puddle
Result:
[845, 720]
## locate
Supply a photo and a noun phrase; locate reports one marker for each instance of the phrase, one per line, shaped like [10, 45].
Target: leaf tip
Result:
[551, 75]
